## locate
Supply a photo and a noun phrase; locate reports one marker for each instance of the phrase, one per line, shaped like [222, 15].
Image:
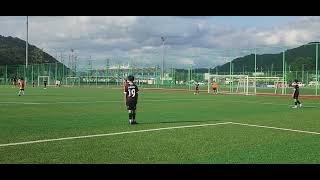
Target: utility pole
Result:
[27, 41]
[162, 66]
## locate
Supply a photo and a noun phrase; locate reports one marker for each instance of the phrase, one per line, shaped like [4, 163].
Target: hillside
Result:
[13, 52]
[295, 59]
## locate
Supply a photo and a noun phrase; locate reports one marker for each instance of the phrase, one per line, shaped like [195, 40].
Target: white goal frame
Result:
[276, 81]
[245, 81]
[42, 81]
[3, 80]
[72, 78]
[284, 85]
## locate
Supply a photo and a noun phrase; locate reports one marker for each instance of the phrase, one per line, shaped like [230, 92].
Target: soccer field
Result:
[90, 125]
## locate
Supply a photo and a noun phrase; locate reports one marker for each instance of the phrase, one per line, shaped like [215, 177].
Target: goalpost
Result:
[243, 84]
[267, 82]
[43, 78]
[229, 83]
[280, 84]
[2, 81]
[72, 81]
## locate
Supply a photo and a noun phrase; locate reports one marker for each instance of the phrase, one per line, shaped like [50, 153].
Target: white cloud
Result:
[186, 61]
[272, 39]
[126, 36]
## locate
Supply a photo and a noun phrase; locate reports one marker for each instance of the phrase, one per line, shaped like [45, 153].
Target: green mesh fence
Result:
[280, 71]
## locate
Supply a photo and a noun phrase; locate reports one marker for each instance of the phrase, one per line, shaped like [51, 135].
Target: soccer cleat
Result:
[300, 105]
[134, 122]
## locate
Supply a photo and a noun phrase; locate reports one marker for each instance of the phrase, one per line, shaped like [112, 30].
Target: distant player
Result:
[131, 99]
[125, 85]
[125, 88]
[14, 81]
[21, 86]
[45, 84]
[214, 87]
[58, 83]
[33, 84]
[295, 94]
[197, 88]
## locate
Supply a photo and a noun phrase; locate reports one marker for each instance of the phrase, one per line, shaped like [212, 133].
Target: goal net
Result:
[265, 85]
[42, 79]
[228, 83]
[72, 81]
[2, 81]
[281, 86]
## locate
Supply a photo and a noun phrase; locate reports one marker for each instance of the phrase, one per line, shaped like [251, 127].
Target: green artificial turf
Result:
[70, 112]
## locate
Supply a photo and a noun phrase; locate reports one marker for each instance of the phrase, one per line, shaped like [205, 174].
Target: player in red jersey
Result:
[21, 86]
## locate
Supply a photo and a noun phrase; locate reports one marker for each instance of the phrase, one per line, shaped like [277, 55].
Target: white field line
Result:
[277, 128]
[152, 100]
[93, 102]
[110, 134]
[90, 102]
[158, 129]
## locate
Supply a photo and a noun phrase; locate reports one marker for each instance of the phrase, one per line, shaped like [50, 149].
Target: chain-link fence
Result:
[266, 68]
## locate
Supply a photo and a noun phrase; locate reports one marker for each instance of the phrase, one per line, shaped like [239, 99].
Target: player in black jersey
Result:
[45, 84]
[14, 81]
[131, 96]
[197, 88]
[295, 94]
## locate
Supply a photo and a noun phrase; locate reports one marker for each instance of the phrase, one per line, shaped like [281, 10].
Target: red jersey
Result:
[125, 86]
[214, 85]
[21, 84]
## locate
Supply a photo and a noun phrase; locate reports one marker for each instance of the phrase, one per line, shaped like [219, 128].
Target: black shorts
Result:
[214, 89]
[197, 89]
[131, 105]
[21, 89]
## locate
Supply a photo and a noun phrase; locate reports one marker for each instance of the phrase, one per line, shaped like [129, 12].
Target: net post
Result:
[208, 80]
[317, 69]
[283, 70]
[247, 85]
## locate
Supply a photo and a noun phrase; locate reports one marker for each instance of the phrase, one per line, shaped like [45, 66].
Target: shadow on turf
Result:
[168, 122]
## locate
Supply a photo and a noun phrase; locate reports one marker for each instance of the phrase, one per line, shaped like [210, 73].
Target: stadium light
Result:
[162, 66]
[27, 42]
[317, 79]
[303, 72]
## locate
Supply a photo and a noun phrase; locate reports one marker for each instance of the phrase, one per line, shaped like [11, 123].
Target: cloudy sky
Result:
[190, 40]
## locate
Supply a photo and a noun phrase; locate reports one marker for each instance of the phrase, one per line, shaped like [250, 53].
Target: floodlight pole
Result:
[230, 76]
[27, 33]
[283, 70]
[317, 45]
[255, 71]
[162, 66]
[302, 73]
[208, 80]
[317, 54]
[27, 42]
